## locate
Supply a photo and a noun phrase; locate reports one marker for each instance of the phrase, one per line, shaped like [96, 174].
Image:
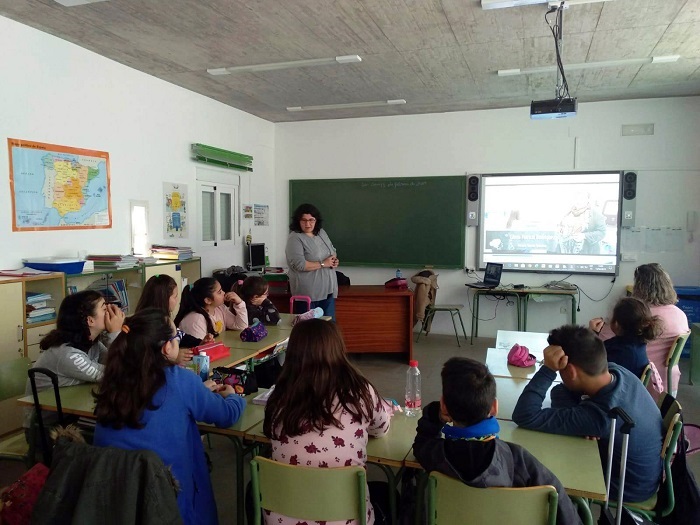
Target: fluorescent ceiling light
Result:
[73, 3]
[345, 59]
[590, 65]
[394, 102]
[501, 4]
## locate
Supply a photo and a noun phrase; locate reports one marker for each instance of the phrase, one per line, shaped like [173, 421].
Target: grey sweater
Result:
[71, 365]
[317, 284]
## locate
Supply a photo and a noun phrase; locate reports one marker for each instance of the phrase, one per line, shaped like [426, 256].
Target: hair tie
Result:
[125, 329]
[240, 281]
[191, 287]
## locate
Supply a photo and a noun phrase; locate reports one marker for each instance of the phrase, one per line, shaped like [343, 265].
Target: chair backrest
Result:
[13, 377]
[671, 412]
[451, 501]
[674, 355]
[43, 433]
[338, 493]
[646, 375]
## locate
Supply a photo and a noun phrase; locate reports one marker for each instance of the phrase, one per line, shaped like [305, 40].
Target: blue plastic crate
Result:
[689, 302]
[69, 266]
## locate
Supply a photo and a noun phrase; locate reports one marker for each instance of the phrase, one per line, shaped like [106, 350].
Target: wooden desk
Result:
[522, 297]
[574, 460]
[508, 390]
[373, 319]
[241, 351]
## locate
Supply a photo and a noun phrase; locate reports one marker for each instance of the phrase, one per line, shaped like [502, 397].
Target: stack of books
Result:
[112, 262]
[172, 253]
[114, 292]
[38, 308]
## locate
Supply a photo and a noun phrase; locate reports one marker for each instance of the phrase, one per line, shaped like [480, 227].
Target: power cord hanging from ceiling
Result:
[562, 89]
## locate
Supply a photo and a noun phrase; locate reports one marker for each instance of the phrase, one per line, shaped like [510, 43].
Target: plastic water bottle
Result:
[413, 405]
[399, 275]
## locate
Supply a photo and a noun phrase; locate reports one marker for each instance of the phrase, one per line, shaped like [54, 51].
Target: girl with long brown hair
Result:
[145, 402]
[322, 409]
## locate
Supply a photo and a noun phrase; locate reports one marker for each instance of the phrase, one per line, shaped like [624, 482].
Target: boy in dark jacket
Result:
[469, 448]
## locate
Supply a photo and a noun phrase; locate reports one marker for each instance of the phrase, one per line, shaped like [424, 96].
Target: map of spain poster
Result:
[58, 187]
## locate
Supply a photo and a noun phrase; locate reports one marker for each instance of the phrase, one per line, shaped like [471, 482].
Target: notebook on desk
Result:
[492, 277]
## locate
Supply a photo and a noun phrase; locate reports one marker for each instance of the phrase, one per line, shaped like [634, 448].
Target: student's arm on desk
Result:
[208, 406]
[381, 416]
[577, 420]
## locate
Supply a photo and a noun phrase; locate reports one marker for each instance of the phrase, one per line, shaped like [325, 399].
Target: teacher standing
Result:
[311, 259]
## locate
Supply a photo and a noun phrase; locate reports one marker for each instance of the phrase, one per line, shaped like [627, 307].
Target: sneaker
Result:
[314, 313]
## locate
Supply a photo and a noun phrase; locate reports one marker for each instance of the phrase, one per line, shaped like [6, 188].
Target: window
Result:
[218, 204]
[139, 227]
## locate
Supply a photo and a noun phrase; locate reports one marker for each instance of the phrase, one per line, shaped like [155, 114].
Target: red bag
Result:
[396, 282]
[215, 350]
[19, 499]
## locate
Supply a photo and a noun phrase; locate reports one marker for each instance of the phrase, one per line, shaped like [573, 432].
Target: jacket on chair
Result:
[89, 484]
[424, 295]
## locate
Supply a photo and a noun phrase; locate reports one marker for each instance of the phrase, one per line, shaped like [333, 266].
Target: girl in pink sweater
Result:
[206, 309]
[654, 286]
[322, 409]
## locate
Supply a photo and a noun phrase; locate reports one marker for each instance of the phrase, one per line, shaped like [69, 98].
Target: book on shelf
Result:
[23, 272]
[261, 399]
[173, 253]
[113, 291]
[36, 297]
[41, 318]
[39, 312]
[110, 261]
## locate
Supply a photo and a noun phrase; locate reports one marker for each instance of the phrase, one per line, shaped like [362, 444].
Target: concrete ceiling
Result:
[439, 55]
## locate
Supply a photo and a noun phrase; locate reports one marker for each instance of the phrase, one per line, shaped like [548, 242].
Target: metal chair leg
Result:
[454, 325]
[464, 332]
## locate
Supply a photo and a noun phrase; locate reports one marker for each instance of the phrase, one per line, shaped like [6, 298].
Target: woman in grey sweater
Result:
[311, 258]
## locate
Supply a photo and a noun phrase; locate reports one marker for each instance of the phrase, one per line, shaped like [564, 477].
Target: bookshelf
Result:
[134, 278]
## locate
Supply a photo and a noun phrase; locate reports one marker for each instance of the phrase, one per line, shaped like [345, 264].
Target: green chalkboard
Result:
[396, 222]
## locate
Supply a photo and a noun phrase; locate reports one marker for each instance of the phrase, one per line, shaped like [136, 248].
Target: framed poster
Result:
[58, 187]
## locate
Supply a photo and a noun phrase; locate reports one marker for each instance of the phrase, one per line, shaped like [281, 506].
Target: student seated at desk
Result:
[76, 349]
[145, 402]
[470, 449]
[254, 291]
[580, 406]
[633, 325]
[322, 409]
[160, 291]
[206, 309]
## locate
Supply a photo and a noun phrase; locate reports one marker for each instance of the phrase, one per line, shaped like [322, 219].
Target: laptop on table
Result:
[492, 277]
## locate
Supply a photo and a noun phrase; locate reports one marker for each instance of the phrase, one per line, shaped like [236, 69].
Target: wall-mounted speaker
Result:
[473, 188]
[629, 199]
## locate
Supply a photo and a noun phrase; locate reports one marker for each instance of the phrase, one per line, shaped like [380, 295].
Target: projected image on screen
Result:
[558, 223]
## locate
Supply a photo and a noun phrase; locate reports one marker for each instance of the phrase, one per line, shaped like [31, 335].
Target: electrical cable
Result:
[562, 91]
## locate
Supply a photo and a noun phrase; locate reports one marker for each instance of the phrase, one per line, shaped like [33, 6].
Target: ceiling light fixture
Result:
[254, 68]
[73, 3]
[591, 65]
[501, 4]
[394, 102]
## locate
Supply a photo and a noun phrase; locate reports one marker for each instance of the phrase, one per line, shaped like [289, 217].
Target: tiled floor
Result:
[387, 373]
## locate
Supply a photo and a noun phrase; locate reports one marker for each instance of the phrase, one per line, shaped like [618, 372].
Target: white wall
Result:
[55, 92]
[668, 164]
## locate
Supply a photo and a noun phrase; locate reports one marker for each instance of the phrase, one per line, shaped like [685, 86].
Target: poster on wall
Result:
[247, 211]
[56, 187]
[261, 214]
[175, 196]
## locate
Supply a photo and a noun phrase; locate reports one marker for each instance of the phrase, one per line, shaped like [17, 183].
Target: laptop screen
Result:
[492, 275]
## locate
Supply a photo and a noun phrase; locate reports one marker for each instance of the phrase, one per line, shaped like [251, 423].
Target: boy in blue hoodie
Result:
[458, 436]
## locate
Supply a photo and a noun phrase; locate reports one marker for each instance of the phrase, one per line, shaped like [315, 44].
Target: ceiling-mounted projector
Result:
[555, 108]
